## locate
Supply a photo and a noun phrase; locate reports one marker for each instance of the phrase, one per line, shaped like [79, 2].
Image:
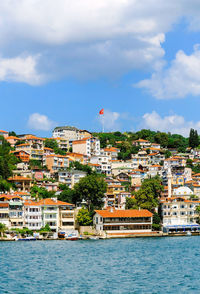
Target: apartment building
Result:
[32, 215]
[88, 146]
[55, 162]
[4, 134]
[104, 163]
[70, 178]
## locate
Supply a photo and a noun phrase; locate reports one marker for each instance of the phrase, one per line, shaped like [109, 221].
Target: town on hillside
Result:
[99, 184]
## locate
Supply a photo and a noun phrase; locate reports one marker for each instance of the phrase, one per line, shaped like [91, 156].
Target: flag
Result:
[101, 111]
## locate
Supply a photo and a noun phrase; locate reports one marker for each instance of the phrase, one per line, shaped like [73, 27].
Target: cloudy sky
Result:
[62, 61]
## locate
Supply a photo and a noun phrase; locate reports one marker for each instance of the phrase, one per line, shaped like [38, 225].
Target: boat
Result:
[25, 239]
[189, 233]
[61, 235]
[72, 237]
[94, 238]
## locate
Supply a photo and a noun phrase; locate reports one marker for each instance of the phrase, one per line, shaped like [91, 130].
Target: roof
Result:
[1, 131]
[124, 213]
[9, 197]
[4, 204]
[141, 140]
[50, 201]
[13, 137]
[69, 128]
[19, 178]
[111, 149]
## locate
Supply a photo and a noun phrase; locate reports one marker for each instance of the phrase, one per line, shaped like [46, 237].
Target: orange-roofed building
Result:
[87, 146]
[21, 183]
[142, 143]
[131, 221]
[3, 133]
[22, 155]
[12, 140]
[55, 162]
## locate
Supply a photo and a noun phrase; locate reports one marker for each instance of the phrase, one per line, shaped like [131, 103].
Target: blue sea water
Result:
[144, 265]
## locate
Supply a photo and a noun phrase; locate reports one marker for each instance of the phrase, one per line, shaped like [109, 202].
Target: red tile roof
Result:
[124, 213]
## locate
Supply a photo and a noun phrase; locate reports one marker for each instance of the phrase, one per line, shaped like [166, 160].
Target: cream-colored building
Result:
[88, 146]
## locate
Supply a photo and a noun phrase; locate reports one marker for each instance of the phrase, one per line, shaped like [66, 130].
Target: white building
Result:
[104, 163]
[87, 146]
[70, 178]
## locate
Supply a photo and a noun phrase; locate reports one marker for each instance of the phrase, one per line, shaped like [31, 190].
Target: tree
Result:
[161, 138]
[156, 222]
[193, 138]
[46, 228]
[52, 143]
[198, 211]
[149, 193]
[67, 194]
[41, 192]
[83, 217]
[131, 203]
[2, 229]
[168, 154]
[92, 189]
[84, 167]
[4, 185]
[12, 133]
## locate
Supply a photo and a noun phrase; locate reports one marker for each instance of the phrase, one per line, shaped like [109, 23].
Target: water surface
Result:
[144, 265]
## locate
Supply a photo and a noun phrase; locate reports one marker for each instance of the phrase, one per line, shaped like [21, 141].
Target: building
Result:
[12, 140]
[110, 152]
[103, 162]
[3, 133]
[22, 155]
[70, 178]
[57, 214]
[32, 215]
[179, 214]
[142, 143]
[55, 162]
[131, 221]
[21, 183]
[67, 132]
[88, 146]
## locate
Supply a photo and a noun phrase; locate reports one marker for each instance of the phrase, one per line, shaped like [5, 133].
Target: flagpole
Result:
[103, 125]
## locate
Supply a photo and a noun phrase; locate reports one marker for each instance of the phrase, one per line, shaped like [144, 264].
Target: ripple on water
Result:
[146, 265]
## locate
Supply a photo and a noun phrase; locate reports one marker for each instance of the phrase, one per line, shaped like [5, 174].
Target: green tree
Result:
[52, 143]
[46, 228]
[131, 203]
[78, 166]
[161, 138]
[2, 229]
[83, 217]
[41, 192]
[67, 194]
[168, 154]
[148, 195]
[92, 189]
[193, 138]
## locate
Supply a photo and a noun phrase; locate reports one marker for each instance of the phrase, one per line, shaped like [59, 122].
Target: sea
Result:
[135, 265]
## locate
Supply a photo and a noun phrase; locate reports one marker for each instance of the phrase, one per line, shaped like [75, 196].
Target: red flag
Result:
[101, 111]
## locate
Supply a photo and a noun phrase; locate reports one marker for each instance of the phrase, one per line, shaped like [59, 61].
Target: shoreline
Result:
[119, 236]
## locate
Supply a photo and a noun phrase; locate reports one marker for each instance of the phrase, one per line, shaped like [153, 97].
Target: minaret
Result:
[169, 177]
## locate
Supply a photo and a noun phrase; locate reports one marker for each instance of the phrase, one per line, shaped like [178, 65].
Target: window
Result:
[96, 220]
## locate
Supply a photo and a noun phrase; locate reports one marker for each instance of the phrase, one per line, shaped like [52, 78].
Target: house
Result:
[175, 161]
[142, 143]
[32, 215]
[57, 214]
[22, 155]
[63, 143]
[21, 183]
[140, 159]
[103, 161]
[77, 157]
[55, 162]
[118, 222]
[11, 211]
[87, 146]
[34, 151]
[179, 214]
[66, 132]
[4, 134]
[110, 152]
[12, 140]
[70, 177]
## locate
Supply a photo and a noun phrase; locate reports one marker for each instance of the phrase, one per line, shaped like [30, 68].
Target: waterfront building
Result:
[131, 221]
[179, 214]
[32, 215]
[57, 214]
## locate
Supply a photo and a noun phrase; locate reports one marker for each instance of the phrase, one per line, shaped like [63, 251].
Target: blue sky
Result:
[138, 59]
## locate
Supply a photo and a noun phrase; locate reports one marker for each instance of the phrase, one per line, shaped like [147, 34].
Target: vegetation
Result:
[84, 218]
[91, 189]
[83, 167]
[2, 229]
[52, 143]
[23, 232]
[41, 192]
[193, 138]
[46, 228]
[156, 226]
[148, 195]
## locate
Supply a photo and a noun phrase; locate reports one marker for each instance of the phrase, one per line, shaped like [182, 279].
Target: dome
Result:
[183, 191]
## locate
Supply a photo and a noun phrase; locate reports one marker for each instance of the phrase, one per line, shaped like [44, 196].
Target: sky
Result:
[62, 61]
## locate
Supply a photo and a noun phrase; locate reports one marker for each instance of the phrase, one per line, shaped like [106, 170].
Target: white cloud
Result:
[20, 69]
[181, 79]
[110, 120]
[89, 39]
[172, 123]
[41, 122]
